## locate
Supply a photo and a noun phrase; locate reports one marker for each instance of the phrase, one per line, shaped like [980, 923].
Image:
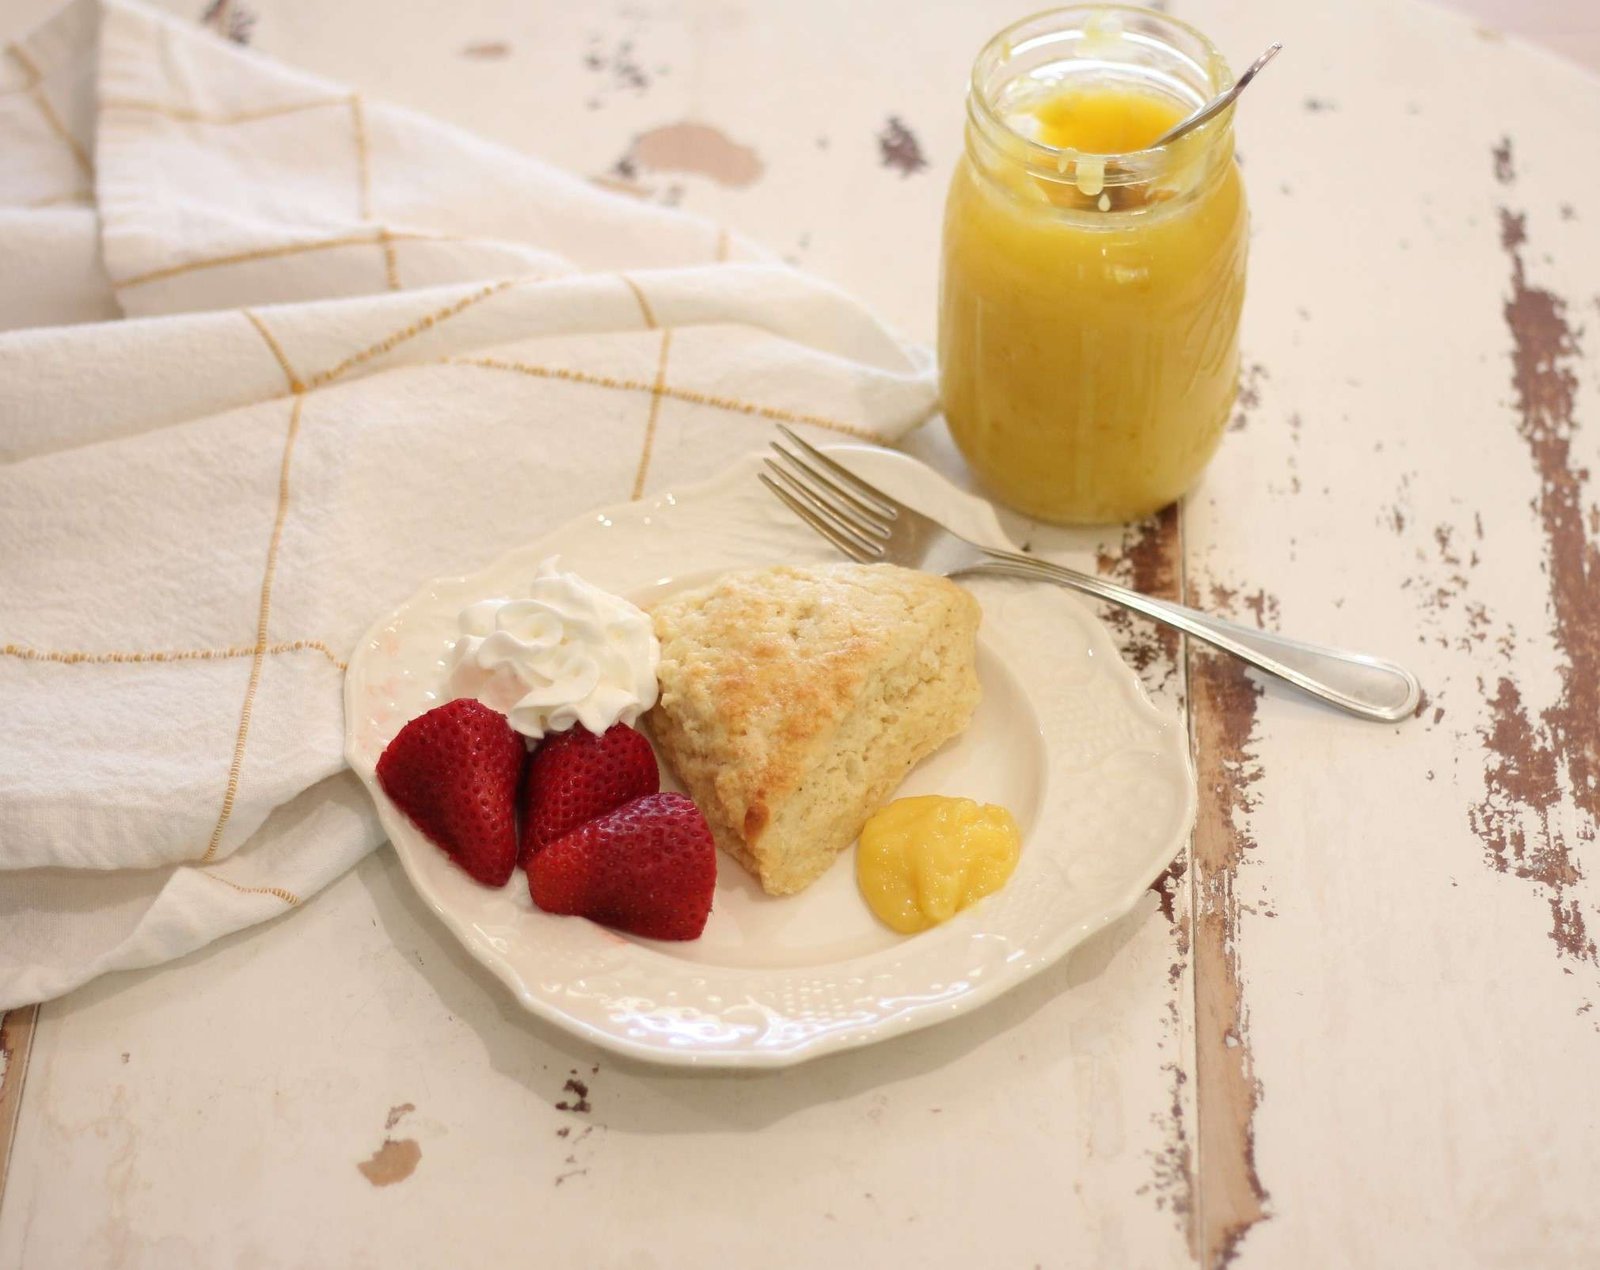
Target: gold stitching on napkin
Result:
[78, 198]
[30, 68]
[366, 239]
[184, 115]
[288, 897]
[391, 261]
[679, 394]
[262, 618]
[644, 304]
[75, 657]
[36, 91]
[655, 410]
[358, 121]
[422, 324]
[277, 351]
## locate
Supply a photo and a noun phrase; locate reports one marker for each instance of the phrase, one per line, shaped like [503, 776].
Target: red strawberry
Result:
[576, 776]
[648, 868]
[455, 772]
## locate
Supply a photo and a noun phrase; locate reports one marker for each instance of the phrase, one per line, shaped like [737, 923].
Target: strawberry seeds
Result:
[597, 840]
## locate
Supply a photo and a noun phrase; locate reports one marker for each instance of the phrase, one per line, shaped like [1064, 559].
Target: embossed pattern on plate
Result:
[1099, 781]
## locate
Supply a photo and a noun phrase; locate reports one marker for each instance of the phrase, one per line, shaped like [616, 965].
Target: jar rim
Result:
[1000, 47]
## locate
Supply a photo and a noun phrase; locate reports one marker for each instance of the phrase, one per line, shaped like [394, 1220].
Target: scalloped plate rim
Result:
[1017, 970]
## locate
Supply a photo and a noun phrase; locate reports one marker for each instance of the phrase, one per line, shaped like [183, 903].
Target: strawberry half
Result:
[455, 772]
[576, 776]
[649, 868]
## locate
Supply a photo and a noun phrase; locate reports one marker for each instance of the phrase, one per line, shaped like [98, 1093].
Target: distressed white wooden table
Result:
[1355, 1025]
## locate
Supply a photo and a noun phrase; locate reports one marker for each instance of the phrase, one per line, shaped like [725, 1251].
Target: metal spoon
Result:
[1217, 103]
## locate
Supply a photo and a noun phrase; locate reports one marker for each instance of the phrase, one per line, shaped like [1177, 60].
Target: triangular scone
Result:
[794, 701]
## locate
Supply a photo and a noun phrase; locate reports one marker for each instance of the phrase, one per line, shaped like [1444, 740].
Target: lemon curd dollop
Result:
[1104, 119]
[922, 860]
[1091, 286]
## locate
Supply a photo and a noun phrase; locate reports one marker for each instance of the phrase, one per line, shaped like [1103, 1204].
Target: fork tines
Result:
[828, 497]
[874, 497]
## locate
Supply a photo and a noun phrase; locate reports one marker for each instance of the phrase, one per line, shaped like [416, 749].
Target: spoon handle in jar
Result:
[1366, 686]
[1218, 103]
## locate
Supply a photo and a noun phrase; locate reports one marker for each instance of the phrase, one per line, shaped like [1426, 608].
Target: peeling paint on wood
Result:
[1174, 1165]
[899, 149]
[1166, 887]
[16, 1044]
[696, 149]
[1540, 764]
[230, 20]
[1223, 699]
[1451, 617]
[1149, 559]
[619, 64]
[1504, 171]
[580, 1103]
[393, 1162]
[1249, 395]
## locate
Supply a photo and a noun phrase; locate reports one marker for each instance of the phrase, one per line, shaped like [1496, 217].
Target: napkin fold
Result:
[272, 356]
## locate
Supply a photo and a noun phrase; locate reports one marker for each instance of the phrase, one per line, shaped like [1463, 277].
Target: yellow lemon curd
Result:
[922, 860]
[1106, 119]
[1090, 299]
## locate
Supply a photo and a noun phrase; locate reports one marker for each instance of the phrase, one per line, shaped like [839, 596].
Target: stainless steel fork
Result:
[870, 526]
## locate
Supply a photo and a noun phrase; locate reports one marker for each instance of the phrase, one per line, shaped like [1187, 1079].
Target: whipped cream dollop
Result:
[568, 653]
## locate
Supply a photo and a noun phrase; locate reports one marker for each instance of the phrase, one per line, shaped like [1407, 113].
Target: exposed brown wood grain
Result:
[394, 1161]
[1229, 1193]
[899, 149]
[1250, 376]
[230, 20]
[1206, 1172]
[695, 148]
[1149, 558]
[16, 1043]
[1541, 764]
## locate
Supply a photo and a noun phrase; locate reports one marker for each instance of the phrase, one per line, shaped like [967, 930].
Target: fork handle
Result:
[1365, 686]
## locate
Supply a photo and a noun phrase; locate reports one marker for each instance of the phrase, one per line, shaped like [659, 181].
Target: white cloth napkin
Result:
[360, 350]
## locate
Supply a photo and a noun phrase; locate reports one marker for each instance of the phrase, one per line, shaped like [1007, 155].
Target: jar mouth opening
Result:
[1114, 42]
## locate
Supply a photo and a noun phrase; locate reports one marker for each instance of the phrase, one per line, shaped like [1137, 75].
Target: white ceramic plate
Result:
[1098, 780]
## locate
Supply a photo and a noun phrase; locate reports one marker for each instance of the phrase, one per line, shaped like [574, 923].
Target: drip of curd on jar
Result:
[1088, 121]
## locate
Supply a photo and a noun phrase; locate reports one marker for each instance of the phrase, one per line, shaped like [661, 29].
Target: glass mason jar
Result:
[1090, 294]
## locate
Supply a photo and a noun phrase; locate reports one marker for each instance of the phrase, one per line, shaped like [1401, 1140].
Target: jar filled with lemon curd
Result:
[1091, 286]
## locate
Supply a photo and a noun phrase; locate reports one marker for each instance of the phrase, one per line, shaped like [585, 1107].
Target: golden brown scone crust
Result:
[795, 700]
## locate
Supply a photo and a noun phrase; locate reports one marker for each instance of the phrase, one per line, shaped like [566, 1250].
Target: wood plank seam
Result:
[16, 1046]
[1230, 1198]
